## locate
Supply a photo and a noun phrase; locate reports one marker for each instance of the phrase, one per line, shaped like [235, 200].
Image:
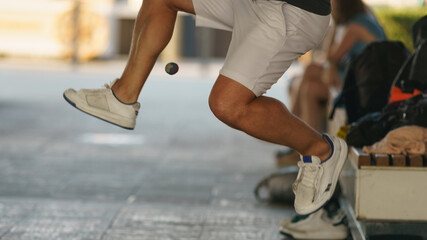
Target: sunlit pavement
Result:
[181, 174]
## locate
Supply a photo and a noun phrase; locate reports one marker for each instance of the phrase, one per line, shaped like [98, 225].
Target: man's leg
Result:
[152, 32]
[117, 102]
[264, 118]
[268, 119]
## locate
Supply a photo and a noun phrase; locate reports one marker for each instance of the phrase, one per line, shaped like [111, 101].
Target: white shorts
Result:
[267, 36]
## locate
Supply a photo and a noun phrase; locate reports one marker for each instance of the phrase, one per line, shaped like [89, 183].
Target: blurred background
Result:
[83, 30]
[95, 29]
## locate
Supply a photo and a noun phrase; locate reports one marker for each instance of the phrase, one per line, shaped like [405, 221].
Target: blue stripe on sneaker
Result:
[332, 147]
[328, 187]
[119, 99]
[307, 159]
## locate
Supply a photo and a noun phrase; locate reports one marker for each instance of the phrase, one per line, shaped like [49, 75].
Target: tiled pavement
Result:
[181, 174]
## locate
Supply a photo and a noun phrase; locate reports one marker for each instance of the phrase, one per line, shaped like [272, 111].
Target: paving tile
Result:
[149, 230]
[52, 234]
[239, 233]
[75, 210]
[12, 209]
[135, 215]
[228, 217]
[53, 228]
[6, 224]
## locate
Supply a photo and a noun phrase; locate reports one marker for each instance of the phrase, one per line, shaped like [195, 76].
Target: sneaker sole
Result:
[321, 203]
[94, 115]
[286, 234]
[323, 236]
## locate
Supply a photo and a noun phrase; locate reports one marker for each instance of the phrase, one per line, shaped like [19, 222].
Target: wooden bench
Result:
[365, 159]
[386, 187]
[385, 193]
[382, 193]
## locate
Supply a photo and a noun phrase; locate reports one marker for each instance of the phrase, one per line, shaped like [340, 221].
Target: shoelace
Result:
[298, 180]
[309, 175]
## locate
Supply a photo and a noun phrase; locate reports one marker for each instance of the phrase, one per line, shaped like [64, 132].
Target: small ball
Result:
[171, 68]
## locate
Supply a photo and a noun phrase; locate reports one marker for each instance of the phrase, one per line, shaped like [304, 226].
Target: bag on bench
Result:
[369, 78]
[373, 127]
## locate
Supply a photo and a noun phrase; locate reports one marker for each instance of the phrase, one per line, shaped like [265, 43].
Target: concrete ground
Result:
[181, 174]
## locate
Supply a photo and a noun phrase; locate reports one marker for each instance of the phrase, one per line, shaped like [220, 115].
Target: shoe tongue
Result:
[113, 82]
[109, 86]
[310, 159]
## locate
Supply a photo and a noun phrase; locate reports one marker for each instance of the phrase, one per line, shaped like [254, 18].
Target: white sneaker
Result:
[316, 180]
[103, 104]
[315, 226]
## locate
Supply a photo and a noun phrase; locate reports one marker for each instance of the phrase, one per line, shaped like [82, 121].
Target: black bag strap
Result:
[419, 31]
[349, 73]
[418, 71]
[401, 79]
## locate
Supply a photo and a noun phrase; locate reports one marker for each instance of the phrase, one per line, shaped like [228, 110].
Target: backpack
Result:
[369, 77]
[373, 127]
[412, 77]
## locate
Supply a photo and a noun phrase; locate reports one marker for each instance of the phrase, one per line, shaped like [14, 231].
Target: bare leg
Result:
[294, 93]
[297, 89]
[312, 97]
[152, 32]
[313, 105]
[296, 107]
[264, 118]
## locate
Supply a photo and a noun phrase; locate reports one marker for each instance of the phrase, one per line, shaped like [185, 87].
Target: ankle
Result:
[320, 149]
[326, 151]
[122, 95]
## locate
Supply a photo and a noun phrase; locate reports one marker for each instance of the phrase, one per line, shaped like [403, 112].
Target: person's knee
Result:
[314, 68]
[226, 111]
[314, 89]
[229, 101]
[313, 71]
[320, 89]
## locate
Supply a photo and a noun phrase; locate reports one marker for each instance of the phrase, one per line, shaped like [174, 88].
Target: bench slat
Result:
[383, 160]
[400, 160]
[415, 160]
